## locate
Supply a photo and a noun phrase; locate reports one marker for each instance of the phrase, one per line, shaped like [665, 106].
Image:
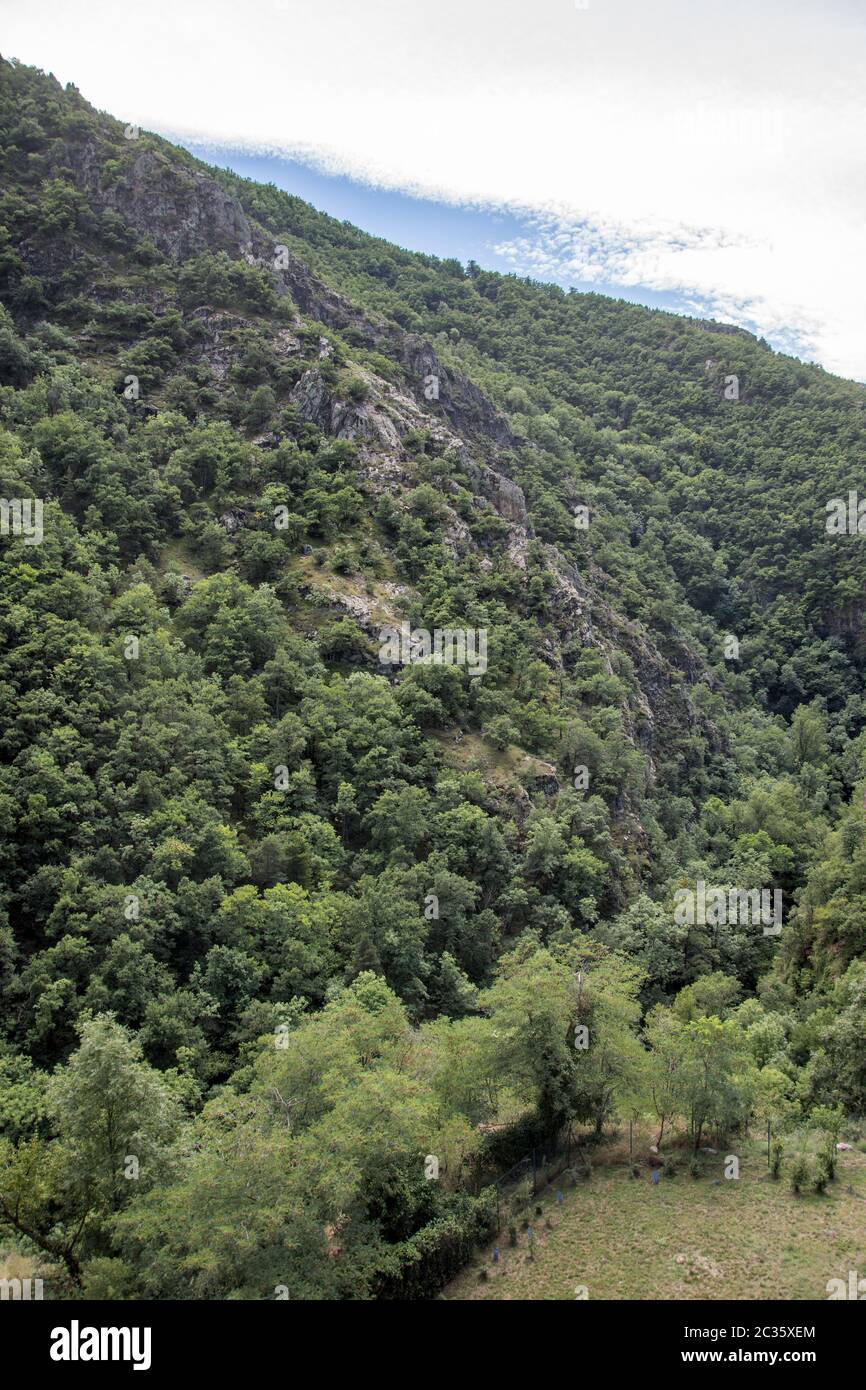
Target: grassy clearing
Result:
[626, 1238]
[499, 767]
[177, 554]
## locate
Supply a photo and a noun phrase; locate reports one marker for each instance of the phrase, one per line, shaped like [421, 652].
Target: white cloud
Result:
[715, 151]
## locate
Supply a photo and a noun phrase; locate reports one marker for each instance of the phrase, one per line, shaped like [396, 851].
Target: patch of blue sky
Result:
[466, 232]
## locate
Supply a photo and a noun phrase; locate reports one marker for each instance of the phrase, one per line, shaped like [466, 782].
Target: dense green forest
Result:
[281, 921]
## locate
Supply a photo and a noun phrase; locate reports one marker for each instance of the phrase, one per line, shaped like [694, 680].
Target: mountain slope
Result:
[264, 440]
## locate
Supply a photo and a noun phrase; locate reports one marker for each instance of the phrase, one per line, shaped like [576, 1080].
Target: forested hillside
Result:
[283, 920]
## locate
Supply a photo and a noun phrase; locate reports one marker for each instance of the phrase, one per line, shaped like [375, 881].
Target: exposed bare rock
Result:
[465, 407]
[383, 473]
[456, 535]
[433, 385]
[364, 422]
[517, 547]
[371, 612]
[233, 520]
[182, 210]
[355, 605]
[219, 344]
[546, 779]
[313, 399]
[507, 498]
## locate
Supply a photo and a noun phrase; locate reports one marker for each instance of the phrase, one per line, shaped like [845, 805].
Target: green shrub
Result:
[801, 1174]
[827, 1160]
[357, 390]
[423, 1264]
[261, 406]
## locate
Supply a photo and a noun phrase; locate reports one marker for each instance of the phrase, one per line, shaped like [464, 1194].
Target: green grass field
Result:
[625, 1238]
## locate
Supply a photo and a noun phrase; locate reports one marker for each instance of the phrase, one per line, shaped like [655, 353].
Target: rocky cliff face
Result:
[181, 210]
[184, 212]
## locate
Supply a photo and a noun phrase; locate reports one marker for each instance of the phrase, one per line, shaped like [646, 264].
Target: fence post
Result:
[534, 1186]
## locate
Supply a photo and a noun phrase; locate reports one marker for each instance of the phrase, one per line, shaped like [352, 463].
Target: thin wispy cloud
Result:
[713, 152]
[716, 274]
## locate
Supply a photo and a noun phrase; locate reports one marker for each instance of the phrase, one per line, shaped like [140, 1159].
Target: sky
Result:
[694, 155]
